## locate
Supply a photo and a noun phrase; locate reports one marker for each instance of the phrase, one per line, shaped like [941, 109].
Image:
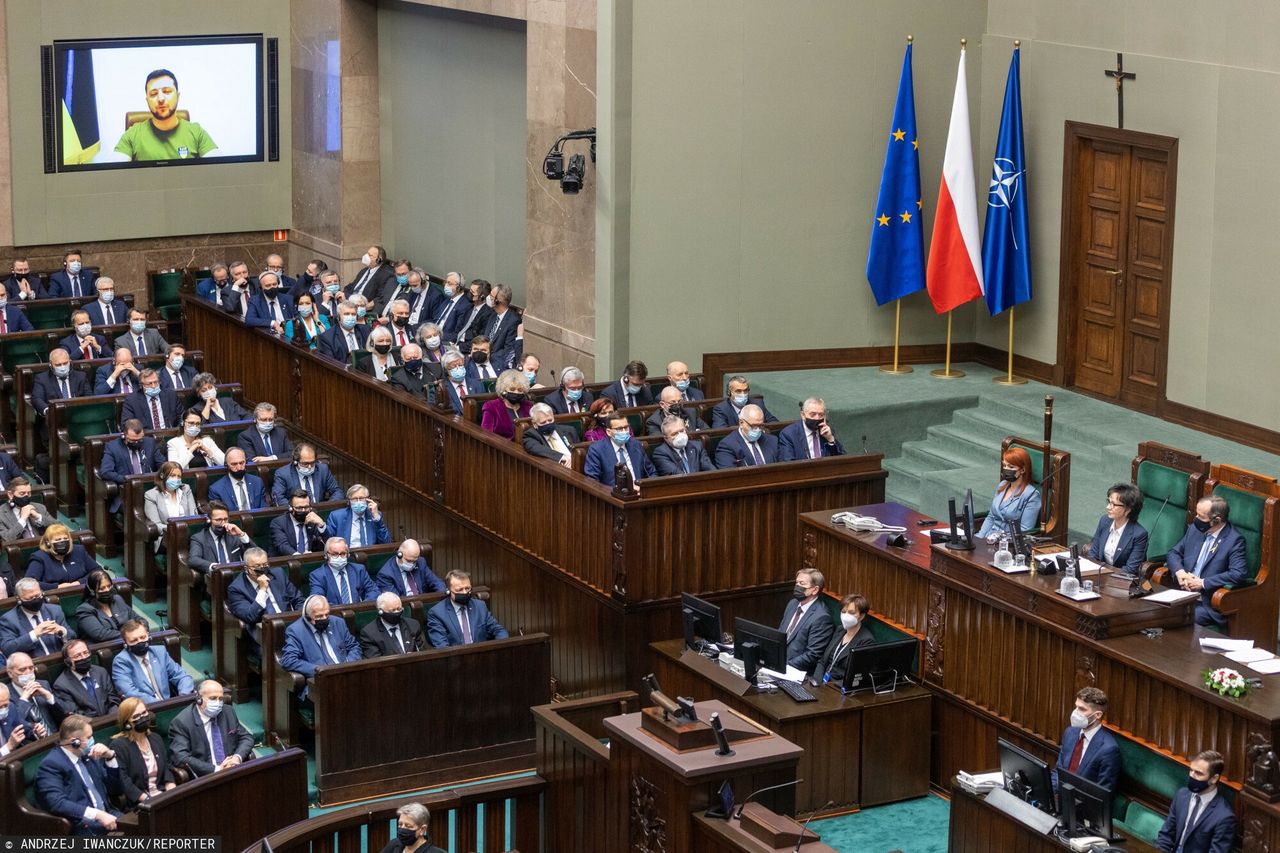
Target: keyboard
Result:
[795, 691]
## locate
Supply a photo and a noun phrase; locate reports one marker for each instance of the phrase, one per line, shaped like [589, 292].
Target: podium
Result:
[657, 791]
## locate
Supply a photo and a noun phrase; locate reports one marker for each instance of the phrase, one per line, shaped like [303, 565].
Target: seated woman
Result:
[432, 341]
[60, 562]
[308, 325]
[1120, 540]
[413, 831]
[214, 409]
[100, 615]
[379, 343]
[1015, 498]
[144, 760]
[499, 416]
[191, 449]
[853, 617]
[169, 499]
[600, 410]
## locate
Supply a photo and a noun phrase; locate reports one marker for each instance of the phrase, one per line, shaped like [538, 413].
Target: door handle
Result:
[1114, 272]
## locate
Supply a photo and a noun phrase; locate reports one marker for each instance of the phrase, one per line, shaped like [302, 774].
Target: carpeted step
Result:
[921, 456]
[980, 420]
[962, 442]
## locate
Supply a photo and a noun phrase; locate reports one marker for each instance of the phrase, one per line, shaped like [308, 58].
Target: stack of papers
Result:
[1171, 596]
[1248, 655]
[980, 783]
[1242, 651]
[1224, 644]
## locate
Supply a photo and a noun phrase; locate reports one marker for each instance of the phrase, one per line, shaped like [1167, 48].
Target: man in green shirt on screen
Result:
[164, 136]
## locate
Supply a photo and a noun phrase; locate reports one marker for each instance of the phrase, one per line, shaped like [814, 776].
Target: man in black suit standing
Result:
[207, 737]
[392, 633]
[677, 454]
[58, 382]
[83, 687]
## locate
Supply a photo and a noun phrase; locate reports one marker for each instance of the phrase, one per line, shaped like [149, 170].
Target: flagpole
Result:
[1009, 378]
[947, 372]
[897, 329]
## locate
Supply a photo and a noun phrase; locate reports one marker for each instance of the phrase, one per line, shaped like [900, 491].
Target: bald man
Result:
[408, 573]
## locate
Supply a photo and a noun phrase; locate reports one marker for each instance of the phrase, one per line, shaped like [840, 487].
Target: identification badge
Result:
[182, 152]
[826, 677]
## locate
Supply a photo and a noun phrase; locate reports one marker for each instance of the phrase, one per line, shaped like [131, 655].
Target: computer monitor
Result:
[1025, 776]
[880, 667]
[758, 646]
[1086, 805]
[701, 621]
[961, 541]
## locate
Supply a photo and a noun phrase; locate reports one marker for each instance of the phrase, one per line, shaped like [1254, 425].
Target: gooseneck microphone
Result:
[804, 827]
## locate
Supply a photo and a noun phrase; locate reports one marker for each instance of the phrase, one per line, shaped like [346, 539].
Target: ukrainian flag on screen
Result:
[80, 137]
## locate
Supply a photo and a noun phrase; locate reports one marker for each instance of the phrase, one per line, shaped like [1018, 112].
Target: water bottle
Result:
[1004, 559]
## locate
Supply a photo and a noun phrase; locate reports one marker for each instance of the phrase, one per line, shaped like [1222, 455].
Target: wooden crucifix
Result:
[1120, 76]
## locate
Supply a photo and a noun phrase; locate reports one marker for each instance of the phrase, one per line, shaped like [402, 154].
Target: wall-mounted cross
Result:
[1120, 76]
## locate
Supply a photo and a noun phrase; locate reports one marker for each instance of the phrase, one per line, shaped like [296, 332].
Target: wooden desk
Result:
[859, 750]
[976, 827]
[714, 835]
[659, 790]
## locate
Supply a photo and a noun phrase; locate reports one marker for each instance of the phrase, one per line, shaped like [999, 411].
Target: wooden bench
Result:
[18, 551]
[710, 438]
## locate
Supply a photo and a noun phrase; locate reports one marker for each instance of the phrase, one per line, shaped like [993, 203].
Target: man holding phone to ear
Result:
[810, 437]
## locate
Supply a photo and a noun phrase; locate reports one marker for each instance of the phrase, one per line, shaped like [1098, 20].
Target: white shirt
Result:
[1113, 541]
[76, 761]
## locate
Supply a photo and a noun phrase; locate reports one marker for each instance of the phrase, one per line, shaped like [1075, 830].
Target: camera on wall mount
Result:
[572, 176]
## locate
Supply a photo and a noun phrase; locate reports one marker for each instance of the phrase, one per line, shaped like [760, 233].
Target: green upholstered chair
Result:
[1171, 481]
[165, 294]
[1149, 780]
[1253, 607]
[1055, 504]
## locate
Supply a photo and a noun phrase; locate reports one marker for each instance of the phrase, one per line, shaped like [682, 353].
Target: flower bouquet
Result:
[1226, 682]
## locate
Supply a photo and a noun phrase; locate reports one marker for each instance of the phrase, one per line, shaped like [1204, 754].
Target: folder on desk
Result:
[1171, 596]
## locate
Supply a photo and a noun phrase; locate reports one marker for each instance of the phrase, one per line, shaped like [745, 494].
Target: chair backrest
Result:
[22, 348]
[166, 288]
[1149, 779]
[1171, 481]
[1054, 506]
[1254, 500]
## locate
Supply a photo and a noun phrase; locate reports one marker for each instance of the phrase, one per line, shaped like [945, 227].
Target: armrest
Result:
[180, 775]
[1161, 575]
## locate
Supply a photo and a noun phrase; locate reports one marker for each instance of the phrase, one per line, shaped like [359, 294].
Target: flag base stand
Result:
[896, 371]
[947, 373]
[1009, 380]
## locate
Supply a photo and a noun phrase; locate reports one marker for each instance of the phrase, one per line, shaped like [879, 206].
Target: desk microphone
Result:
[721, 738]
[804, 827]
[754, 794]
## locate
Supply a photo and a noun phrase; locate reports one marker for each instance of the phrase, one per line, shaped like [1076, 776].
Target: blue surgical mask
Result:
[754, 434]
[305, 310]
[152, 392]
[333, 288]
[62, 371]
[402, 279]
[192, 431]
[682, 384]
[213, 707]
[74, 267]
[348, 322]
[361, 311]
[574, 394]
[739, 399]
[306, 470]
[359, 507]
[265, 427]
[138, 326]
[338, 562]
[176, 362]
[106, 296]
[458, 374]
[620, 438]
[530, 376]
[633, 389]
[87, 746]
[173, 483]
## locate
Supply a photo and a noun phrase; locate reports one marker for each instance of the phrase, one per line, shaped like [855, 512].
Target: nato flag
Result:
[895, 260]
[1006, 251]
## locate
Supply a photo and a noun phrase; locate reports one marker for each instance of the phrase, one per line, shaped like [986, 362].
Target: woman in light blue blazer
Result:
[1015, 499]
[170, 498]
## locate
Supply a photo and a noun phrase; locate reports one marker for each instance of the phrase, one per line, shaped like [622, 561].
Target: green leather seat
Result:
[1164, 506]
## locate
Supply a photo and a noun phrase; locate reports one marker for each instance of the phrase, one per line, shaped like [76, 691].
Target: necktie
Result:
[1205, 550]
[35, 622]
[624, 459]
[126, 387]
[351, 342]
[410, 583]
[66, 390]
[401, 335]
[84, 348]
[94, 796]
[75, 285]
[328, 649]
[364, 279]
[244, 304]
[395, 635]
[357, 533]
[221, 548]
[306, 484]
[141, 347]
[493, 330]
[302, 540]
[90, 689]
[177, 380]
[151, 676]
[137, 461]
[462, 392]
[1077, 754]
[465, 621]
[275, 310]
[343, 590]
[795, 620]
[215, 737]
[26, 527]
[817, 446]
[243, 496]
[684, 460]
[444, 315]
[155, 414]
[4, 324]
[755, 453]
[1191, 820]
[266, 442]
[631, 401]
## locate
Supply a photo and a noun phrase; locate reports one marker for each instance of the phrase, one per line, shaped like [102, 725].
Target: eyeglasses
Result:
[1115, 504]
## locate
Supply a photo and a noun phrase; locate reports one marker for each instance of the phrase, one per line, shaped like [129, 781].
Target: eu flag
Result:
[895, 261]
[1006, 251]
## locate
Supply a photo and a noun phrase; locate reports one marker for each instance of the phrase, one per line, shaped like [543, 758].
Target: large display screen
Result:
[158, 101]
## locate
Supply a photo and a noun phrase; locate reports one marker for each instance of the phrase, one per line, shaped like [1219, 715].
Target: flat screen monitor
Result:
[1025, 776]
[701, 621]
[1086, 805]
[141, 102]
[869, 667]
[770, 643]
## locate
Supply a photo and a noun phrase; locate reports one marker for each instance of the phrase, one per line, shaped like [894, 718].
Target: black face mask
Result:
[799, 593]
[138, 649]
[82, 666]
[406, 837]
[515, 398]
[814, 424]
[133, 445]
[62, 549]
[392, 618]
[1197, 786]
[321, 625]
[547, 429]
[479, 357]
[301, 514]
[107, 596]
[1009, 475]
[400, 322]
[21, 500]
[236, 475]
[1202, 525]
[462, 599]
[34, 604]
[269, 293]
[144, 725]
[382, 349]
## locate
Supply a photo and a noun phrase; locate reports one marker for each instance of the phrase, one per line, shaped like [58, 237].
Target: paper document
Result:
[1087, 566]
[792, 674]
[1224, 644]
[1266, 667]
[1172, 596]
[979, 780]
[1249, 655]
[1011, 569]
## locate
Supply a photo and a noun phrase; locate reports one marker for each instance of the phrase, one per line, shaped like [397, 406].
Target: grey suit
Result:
[11, 529]
[159, 510]
[189, 747]
[155, 345]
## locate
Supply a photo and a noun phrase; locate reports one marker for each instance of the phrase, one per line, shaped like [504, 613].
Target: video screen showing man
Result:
[166, 135]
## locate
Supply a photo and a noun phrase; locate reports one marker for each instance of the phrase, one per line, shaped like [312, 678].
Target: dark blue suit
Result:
[59, 286]
[12, 287]
[60, 789]
[501, 332]
[732, 451]
[692, 393]
[443, 628]
[333, 343]
[15, 319]
[601, 459]
[667, 460]
[360, 586]
[471, 383]
[372, 532]
[71, 343]
[1225, 566]
[1131, 550]
[391, 579]
[1213, 831]
[618, 395]
[8, 470]
[259, 314]
[208, 290]
[225, 490]
[725, 414]
[807, 643]
[457, 316]
[793, 444]
[323, 483]
[118, 464]
[46, 387]
[138, 405]
[251, 442]
[284, 537]
[558, 401]
[242, 596]
[44, 568]
[15, 631]
[187, 373]
[302, 652]
[1101, 762]
[107, 315]
[101, 387]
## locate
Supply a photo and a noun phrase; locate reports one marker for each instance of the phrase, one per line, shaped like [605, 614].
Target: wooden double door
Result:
[1118, 208]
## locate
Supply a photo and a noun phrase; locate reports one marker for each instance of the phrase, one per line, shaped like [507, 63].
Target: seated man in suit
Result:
[407, 573]
[461, 383]
[502, 330]
[83, 687]
[13, 318]
[1087, 748]
[749, 444]
[151, 404]
[21, 517]
[632, 389]
[416, 376]
[141, 340]
[147, 671]
[677, 454]
[811, 436]
[134, 452]
[572, 395]
[480, 363]
[1209, 556]
[207, 737]
[618, 449]
[317, 639]
[454, 311]
[360, 522]
[84, 343]
[274, 264]
[15, 724]
[1199, 820]
[77, 779]
[479, 316]
[300, 531]
[1120, 540]
[211, 289]
[729, 412]
[238, 489]
[105, 310]
[220, 542]
[35, 626]
[260, 590]
[176, 374]
[271, 306]
[670, 406]
[678, 378]
[120, 377]
[73, 279]
[235, 297]
[36, 703]
[344, 337]
[58, 382]
[392, 633]
[8, 470]
[806, 622]
[340, 580]
[460, 620]
[307, 474]
[22, 285]
[397, 322]
[265, 443]
[376, 282]
[545, 438]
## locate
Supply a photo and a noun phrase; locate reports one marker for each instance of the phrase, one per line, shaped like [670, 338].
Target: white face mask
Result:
[366, 259]
[488, 300]
[1079, 720]
[433, 342]
[680, 440]
[209, 394]
[848, 620]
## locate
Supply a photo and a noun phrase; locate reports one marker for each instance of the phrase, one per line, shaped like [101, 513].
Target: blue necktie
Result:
[93, 691]
[343, 589]
[266, 442]
[1205, 550]
[302, 539]
[94, 796]
[684, 460]
[215, 735]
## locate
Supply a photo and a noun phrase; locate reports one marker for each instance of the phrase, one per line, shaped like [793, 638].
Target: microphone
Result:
[754, 794]
[804, 827]
[721, 738]
[864, 445]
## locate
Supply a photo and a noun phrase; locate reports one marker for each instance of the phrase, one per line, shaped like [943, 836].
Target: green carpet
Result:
[912, 826]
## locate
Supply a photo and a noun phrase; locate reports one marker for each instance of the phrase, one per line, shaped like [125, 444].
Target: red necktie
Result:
[1076, 754]
[402, 338]
[795, 620]
[85, 349]
[4, 324]
[155, 414]
[462, 392]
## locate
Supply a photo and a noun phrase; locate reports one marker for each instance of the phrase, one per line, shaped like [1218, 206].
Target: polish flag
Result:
[954, 274]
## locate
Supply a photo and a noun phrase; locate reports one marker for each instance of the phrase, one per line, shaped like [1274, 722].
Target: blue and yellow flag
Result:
[80, 137]
[895, 261]
[1006, 248]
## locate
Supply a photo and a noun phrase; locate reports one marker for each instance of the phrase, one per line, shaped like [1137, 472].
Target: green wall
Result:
[452, 97]
[133, 203]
